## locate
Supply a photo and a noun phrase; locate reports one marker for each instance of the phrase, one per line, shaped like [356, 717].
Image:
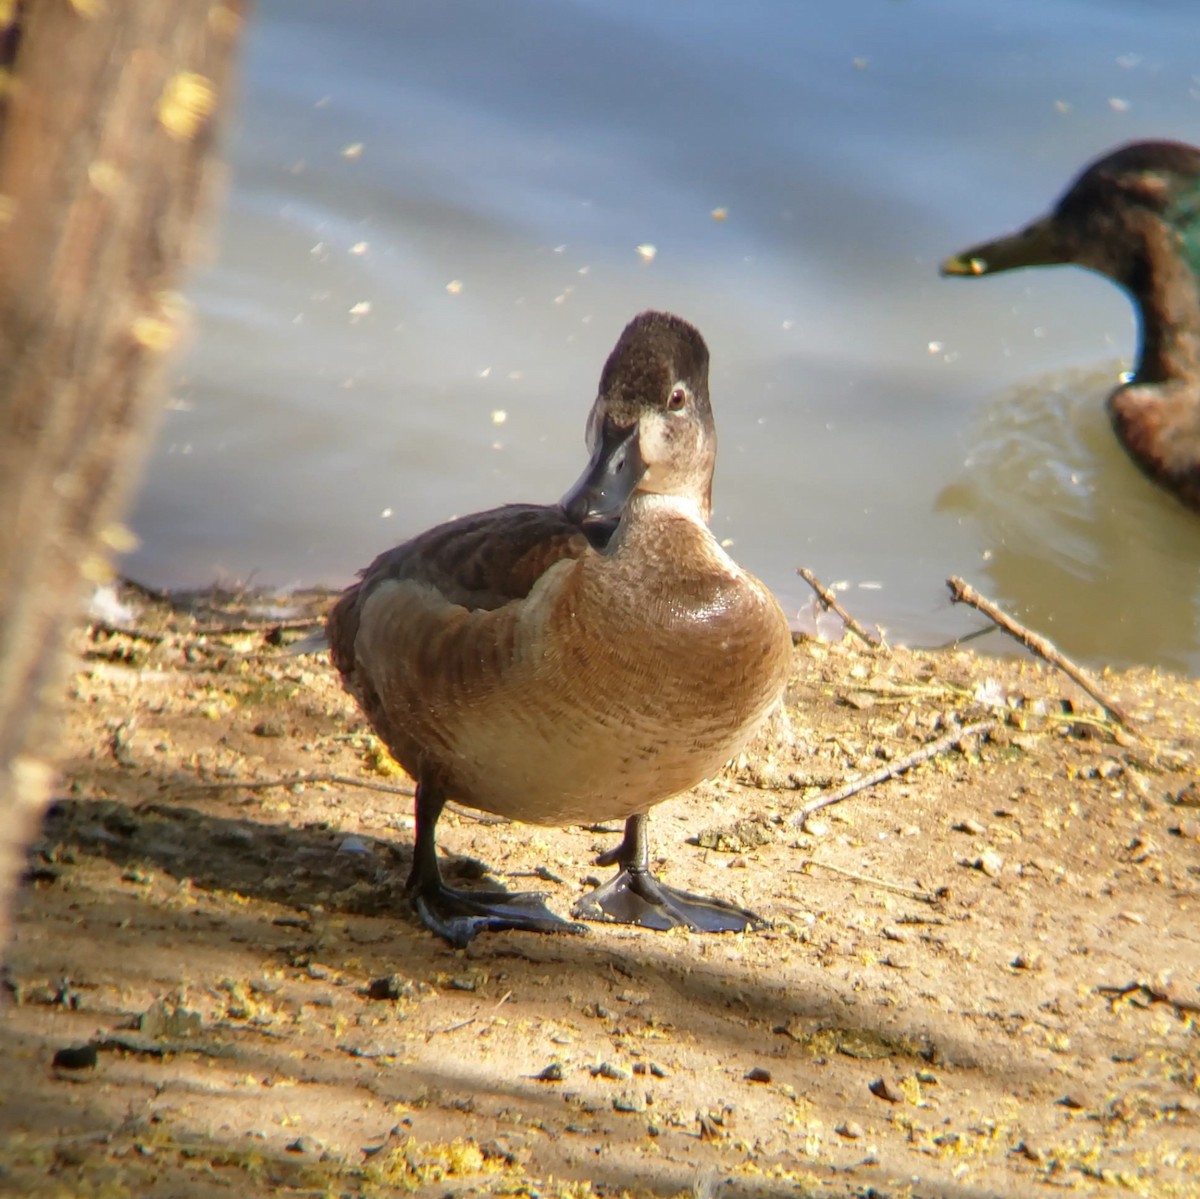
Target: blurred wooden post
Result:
[108, 113]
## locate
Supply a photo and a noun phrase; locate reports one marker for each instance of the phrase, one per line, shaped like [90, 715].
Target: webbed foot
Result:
[460, 916]
[637, 897]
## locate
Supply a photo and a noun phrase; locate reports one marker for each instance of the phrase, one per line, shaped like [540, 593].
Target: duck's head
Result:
[1127, 213]
[651, 428]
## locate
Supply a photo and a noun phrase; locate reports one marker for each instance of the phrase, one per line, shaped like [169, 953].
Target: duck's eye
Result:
[677, 400]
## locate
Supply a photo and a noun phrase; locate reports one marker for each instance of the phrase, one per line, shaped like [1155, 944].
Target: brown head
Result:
[1116, 218]
[651, 428]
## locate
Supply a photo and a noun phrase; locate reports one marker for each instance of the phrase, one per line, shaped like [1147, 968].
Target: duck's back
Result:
[398, 635]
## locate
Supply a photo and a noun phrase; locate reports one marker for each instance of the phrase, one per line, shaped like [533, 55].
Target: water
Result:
[430, 244]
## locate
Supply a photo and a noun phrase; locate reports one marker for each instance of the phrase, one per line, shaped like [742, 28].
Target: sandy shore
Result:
[976, 979]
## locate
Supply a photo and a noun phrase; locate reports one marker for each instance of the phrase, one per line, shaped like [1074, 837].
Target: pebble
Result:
[629, 1101]
[552, 1073]
[609, 1070]
[304, 1144]
[391, 986]
[852, 1130]
[991, 863]
[649, 1068]
[882, 1089]
[970, 826]
[77, 1057]
[1188, 796]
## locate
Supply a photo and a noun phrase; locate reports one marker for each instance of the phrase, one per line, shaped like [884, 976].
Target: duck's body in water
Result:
[1134, 217]
[513, 666]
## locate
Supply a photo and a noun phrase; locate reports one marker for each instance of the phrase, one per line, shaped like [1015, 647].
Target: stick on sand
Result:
[963, 592]
[893, 769]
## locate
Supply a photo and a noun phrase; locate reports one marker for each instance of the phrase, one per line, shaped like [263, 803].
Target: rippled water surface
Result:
[430, 244]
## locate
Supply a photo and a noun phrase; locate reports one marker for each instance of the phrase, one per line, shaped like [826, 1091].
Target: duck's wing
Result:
[481, 561]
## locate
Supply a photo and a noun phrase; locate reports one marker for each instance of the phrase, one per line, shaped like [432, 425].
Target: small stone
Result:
[1190, 829]
[353, 844]
[991, 863]
[970, 826]
[1031, 960]
[304, 1144]
[609, 1070]
[1189, 796]
[758, 1074]
[77, 1057]
[629, 1101]
[816, 828]
[882, 1089]
[391, 986]
[552, 1073]
[269, 728]
[852, 1130]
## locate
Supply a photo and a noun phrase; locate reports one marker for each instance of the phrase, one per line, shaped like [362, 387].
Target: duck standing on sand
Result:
[574, 663]
[1133, 216]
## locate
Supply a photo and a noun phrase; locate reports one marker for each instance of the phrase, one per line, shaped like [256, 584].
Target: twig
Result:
[912, 892]
[1154, 994]
[829, 600]
[893, 769]
[955, 642]
[963, 592]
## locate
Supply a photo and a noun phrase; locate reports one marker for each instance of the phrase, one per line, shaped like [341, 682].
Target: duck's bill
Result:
[1038, 245]
[612, 476]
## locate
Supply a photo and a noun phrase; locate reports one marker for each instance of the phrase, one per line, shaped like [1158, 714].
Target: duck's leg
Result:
[459, 916]
[635, 896]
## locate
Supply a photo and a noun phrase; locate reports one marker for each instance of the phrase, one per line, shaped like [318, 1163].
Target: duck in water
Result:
[1133, 216]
